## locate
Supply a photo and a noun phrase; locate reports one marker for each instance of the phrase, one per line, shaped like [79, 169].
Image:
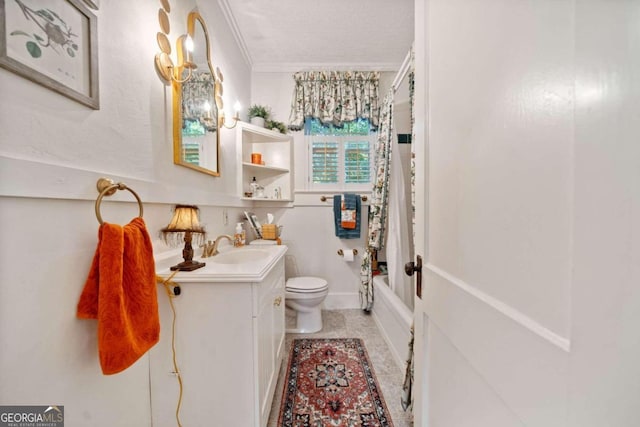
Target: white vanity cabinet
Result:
[229, 343]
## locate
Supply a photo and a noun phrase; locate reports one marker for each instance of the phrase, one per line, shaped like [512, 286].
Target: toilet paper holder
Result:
[341, 253]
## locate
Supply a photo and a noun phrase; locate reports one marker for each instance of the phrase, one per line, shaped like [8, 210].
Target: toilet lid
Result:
[306, 284]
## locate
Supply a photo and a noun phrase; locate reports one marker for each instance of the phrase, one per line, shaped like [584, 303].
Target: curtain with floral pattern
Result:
[379, 199]
[407, 385]
[334, 97]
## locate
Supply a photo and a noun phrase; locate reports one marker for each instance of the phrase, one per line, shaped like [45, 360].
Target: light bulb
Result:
[188, 43]
[237, 107]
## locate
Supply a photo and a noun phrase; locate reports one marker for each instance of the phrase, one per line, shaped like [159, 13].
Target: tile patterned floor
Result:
[353, 324]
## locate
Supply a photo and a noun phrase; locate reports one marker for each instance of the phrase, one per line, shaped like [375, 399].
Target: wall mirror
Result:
[196, 137]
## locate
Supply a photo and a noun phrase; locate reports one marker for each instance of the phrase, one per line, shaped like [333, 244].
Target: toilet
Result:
[305, 296]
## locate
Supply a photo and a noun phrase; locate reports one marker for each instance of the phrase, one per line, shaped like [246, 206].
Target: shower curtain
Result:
[407, 386]
[379, 200]
[378, 212]
[398, 233]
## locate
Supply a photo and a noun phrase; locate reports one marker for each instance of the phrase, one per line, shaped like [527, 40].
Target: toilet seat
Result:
[306, 285]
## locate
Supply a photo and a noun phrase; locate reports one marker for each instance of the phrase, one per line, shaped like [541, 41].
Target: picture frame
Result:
[53, 43]
[254, 223]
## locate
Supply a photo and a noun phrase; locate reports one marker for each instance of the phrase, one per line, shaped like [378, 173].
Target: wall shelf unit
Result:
[265, 168]
[276, 175]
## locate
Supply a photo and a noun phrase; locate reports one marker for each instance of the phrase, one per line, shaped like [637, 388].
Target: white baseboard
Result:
[342, 301]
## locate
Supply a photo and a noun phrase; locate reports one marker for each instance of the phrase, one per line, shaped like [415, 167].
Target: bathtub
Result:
[393, 319]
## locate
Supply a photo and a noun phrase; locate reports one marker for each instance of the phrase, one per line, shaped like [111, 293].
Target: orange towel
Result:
[348, 216]
[121, 293]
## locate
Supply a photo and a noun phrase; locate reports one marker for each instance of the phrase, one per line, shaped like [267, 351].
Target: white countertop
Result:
[254, 270]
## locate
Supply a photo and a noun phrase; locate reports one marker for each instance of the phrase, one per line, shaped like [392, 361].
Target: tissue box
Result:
[269, 231]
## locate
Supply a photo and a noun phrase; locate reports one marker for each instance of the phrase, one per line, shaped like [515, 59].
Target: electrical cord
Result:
[173, 290]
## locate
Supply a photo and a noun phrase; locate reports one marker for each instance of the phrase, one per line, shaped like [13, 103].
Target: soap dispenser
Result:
[254, 186]
[239, 238]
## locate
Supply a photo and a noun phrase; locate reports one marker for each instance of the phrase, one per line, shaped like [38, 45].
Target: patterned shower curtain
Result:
[335, 97]
[379, 199]
[407, 386]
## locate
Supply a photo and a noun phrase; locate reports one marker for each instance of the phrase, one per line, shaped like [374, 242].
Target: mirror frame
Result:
[193, 18]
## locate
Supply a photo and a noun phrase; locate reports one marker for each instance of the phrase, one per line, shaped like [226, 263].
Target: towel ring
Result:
[107, 187]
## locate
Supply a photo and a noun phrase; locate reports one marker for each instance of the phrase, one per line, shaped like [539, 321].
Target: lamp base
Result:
[188, 266]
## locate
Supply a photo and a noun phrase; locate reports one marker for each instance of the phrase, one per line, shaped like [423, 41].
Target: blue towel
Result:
[352, 202]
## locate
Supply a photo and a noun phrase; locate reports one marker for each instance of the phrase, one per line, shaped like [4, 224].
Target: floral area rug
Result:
[330, 382]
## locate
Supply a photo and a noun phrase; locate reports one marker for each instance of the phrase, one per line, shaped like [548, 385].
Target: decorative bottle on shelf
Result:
[239, 236]
[254, 186]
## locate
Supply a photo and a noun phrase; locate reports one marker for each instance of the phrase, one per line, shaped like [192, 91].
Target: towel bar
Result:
[324, 198]
[107, 187]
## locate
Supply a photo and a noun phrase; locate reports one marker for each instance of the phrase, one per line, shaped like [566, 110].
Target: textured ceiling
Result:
[292, 35]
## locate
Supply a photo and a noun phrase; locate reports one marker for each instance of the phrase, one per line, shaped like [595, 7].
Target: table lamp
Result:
[182, 227]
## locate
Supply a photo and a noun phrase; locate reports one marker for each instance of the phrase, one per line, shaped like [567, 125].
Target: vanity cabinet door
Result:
[270, 337]
[278, 324]
[215, 354]
[265, 357]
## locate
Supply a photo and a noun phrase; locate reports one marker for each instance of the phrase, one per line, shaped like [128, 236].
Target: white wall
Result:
[52, 151]
[308, 226]
[533, 199]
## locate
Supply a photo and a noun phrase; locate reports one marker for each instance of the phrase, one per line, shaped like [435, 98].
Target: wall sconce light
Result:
[207, 120]
[235, 118]
[182, 227]
[218, 93]
[165, 67]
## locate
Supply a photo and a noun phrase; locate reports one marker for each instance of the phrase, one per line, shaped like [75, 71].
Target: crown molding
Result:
[231, 20]
[308, 66]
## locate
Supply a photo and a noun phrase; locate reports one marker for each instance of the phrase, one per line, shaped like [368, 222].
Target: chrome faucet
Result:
[211, 249]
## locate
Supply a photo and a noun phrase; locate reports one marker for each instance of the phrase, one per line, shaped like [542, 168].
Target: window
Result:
[340, 158]
[191, 152]
[191, 130]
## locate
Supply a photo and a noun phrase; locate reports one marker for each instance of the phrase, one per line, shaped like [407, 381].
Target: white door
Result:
[494, 162]
[527, 150]
[421, 221]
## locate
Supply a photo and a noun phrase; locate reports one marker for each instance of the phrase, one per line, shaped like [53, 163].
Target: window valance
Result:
[334, 97]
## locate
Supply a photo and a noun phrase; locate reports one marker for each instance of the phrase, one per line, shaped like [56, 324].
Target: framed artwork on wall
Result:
[53, 43]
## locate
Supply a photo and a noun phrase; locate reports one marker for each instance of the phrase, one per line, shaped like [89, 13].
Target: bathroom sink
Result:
[248, 264]
[239, 256]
